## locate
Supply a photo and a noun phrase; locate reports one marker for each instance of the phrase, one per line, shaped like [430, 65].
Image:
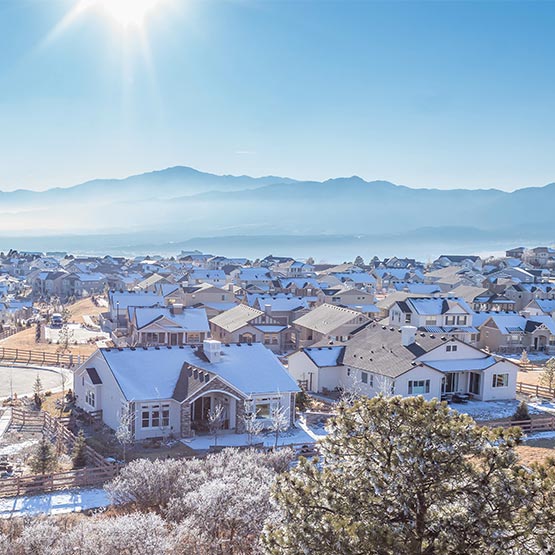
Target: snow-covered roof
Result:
[325, 356]
[144, 374]
[235, 318]
[191, 319]
[328, 317]
[130, 298]
[462, 365]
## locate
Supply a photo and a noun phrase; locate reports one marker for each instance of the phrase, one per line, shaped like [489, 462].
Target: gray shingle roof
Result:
[378, 349]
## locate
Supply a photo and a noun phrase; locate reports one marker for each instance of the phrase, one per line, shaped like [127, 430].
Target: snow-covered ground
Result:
[79, 334]
[491, 410]
[57, 502]
[291, 437]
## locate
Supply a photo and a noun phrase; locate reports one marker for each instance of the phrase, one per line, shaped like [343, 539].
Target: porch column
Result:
[186, 430]
[239, 416]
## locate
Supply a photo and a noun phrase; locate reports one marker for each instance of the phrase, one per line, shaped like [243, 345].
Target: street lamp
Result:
[117, 315]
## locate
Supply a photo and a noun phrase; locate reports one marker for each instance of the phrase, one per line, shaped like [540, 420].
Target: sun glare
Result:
[128, 12]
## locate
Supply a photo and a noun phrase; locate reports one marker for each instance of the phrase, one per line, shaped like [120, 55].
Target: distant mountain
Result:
[179, 204]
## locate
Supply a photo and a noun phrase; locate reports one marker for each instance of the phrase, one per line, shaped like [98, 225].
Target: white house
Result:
[169, 390]
[382, 359]
[449, 315]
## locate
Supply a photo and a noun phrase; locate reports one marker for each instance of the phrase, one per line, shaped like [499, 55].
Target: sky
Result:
[425, 94]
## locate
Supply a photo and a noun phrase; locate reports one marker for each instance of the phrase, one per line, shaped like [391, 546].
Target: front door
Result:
[173, 339]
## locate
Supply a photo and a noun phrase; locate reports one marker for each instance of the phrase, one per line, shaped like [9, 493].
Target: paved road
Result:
[23, 379]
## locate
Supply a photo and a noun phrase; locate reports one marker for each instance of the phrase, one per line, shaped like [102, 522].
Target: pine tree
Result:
[521, 412]
[44, 458]
[406, 477]
[37, 386]
[79, 453]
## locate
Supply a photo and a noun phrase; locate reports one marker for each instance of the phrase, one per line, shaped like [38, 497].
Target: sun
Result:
[127, 13]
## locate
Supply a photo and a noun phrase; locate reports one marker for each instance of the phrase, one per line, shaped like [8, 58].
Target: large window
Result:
[419, 387]
[264, 406]
[461, 320]
[90, 398]
[449, 320]
[500, 380]
[431, 320]
[451, 348]
[155, 416]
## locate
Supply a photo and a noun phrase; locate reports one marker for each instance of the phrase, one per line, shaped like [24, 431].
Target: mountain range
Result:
[189, 207]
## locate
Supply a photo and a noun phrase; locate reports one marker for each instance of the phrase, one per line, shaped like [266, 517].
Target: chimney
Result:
[177, 308]
[408, 334]
[268, 309]
[213, 350]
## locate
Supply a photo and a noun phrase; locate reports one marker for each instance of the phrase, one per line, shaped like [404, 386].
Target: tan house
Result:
[244, 324]
[327, 322]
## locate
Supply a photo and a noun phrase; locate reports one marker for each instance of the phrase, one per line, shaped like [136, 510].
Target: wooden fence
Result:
[37, 358]
[535, 390]
[9, 332]
[37, 484]
[543, 424]
[100, 472]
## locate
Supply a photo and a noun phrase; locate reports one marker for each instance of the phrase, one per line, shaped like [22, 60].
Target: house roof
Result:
[93, 376]
[191, 319]
[235, 318]
[158, 373]
[379, 349]
[325, 356]
[327, 318]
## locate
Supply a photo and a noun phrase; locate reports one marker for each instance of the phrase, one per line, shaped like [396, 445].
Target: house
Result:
[172, 325]
[382, 359]
[326, 322]
[496, 303]
[541, 306]
[513, 333]
[213, 277]
[438, 315]
[244, 324]
[281, 308]
[121, 301]
[169, 391]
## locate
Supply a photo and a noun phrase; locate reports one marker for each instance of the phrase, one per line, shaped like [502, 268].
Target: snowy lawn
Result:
[490, 410]
[542, 405]
[291, 437]
[57, 502]
[79, 334]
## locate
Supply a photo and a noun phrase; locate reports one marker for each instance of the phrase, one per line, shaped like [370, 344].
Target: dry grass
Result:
[26, 338]
[533, 454]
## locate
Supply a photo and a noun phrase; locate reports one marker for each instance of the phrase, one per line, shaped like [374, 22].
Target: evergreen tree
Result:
[521, 412]
[37, 386]
[79, 454]
[359, 261]
[44, 458]
[407, 477]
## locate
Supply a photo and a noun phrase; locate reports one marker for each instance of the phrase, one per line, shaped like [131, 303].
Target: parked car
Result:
[56, 320]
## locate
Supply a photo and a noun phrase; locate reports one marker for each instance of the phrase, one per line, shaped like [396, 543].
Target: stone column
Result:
[186, 430]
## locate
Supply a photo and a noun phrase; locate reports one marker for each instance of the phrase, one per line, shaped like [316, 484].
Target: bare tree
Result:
[124, 433]
[216, 421]
[279, 418]
[65, 338]
[253, 426]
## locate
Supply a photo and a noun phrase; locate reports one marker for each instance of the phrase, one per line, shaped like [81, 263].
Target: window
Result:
[461, 320]
[431, 320]
[155, 416]
[364, 377]
[90, 397]
[407, 318]
[449, 320]
[193, 337]
[500, 380]
[419, 387]
[451, 348]
[265, 406]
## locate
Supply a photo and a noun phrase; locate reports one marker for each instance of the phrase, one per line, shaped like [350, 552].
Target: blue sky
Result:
[425, 94]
